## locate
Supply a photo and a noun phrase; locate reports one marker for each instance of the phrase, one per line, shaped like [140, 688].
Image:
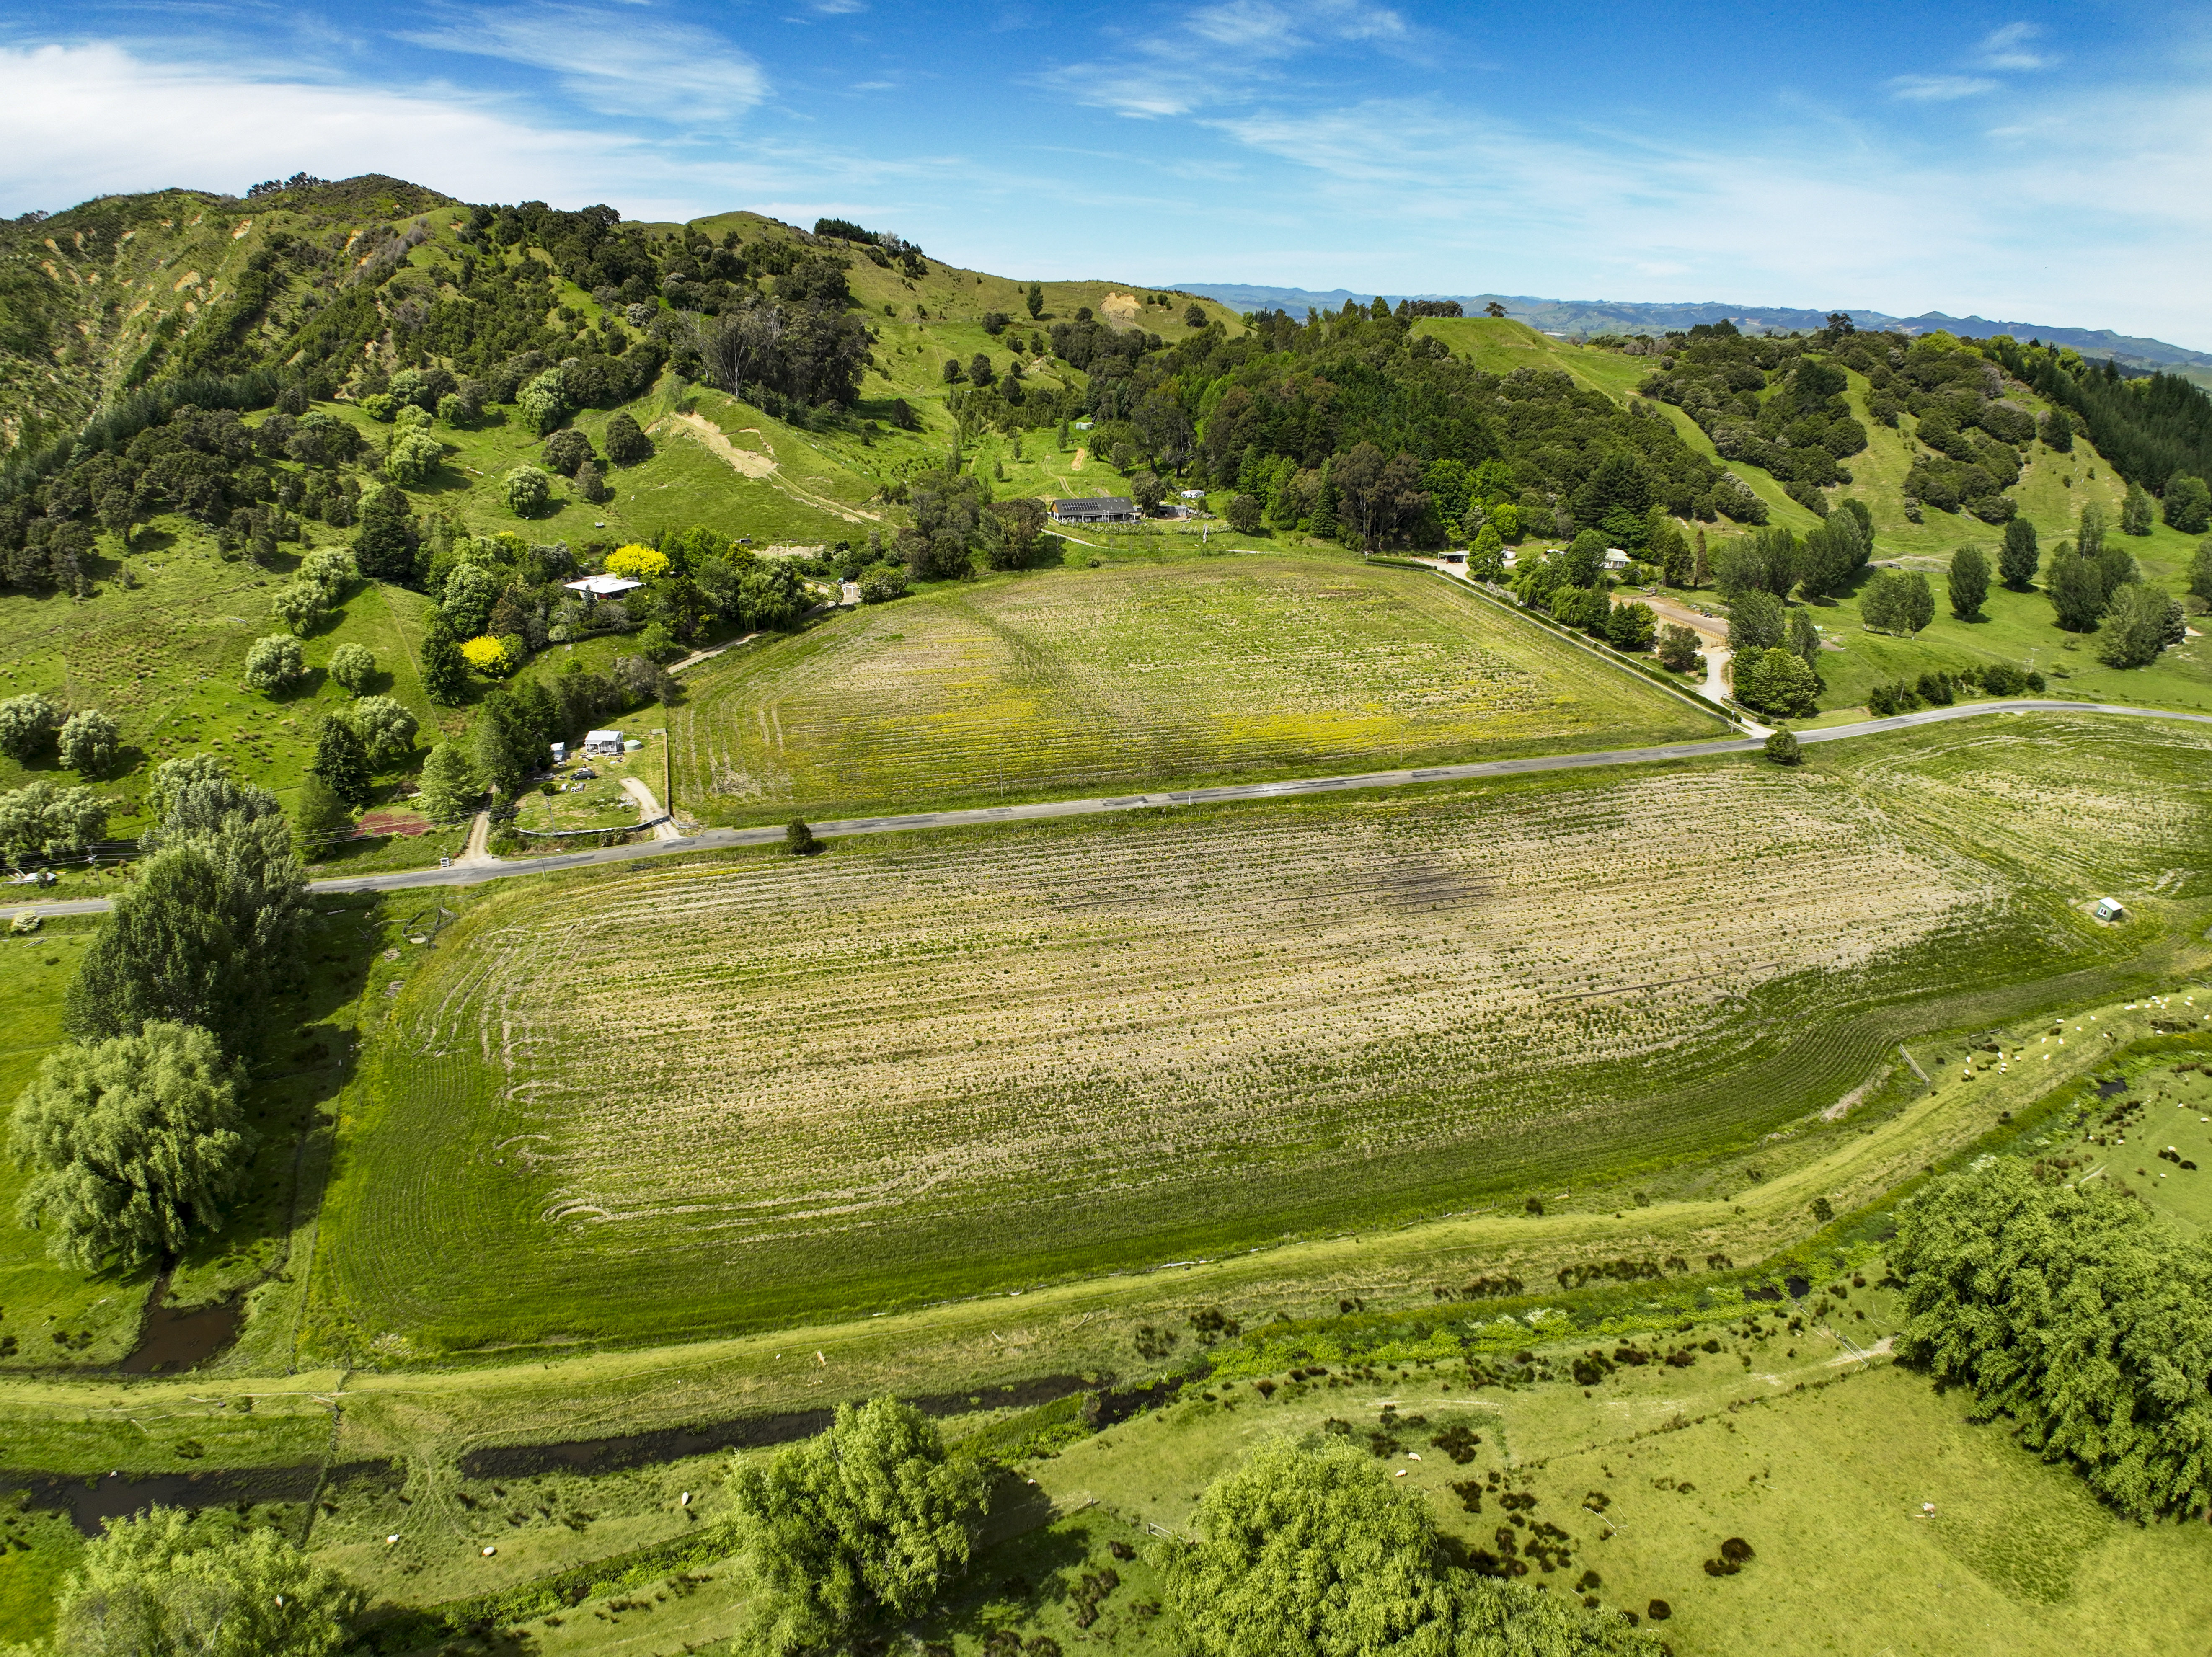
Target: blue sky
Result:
[2048, 164]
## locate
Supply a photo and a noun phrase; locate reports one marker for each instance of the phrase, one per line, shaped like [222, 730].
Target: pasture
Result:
[1136, 676]
[736, 1093]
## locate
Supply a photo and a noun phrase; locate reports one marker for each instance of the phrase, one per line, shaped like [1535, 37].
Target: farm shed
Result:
[1097, 509]
[1617, 559]
[597, 744]
[596, 587]
[2109, 908]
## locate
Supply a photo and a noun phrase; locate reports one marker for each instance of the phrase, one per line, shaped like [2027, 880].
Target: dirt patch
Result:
[711, 435]
[1119, 310]
[394, 822]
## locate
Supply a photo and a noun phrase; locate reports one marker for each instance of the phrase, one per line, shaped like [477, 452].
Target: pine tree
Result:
[342, 763]
[2017, 562]
[451, 788]
[445, 675]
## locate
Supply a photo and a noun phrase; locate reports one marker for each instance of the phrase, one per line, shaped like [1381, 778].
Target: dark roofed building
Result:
[1096, 509]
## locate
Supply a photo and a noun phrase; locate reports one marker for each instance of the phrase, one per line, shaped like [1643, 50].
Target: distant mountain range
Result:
[1580, 318]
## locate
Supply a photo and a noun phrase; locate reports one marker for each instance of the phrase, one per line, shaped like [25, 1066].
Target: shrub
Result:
[354, 667]
[28, 724]
[1244, 513]
[301, 606]
[592, 483]
[799, 838]
[1658, 1610]
[640, 563]
[526, 490]
[881, 583]
[274, 663]
[1781, 747]
[378, 406]
[89, 741]
[489, 656]
[544, 401]
[567, 450]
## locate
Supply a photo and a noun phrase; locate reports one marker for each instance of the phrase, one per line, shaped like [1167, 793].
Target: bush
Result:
[28, 724]
[1775, 683]
[799, 838]
[274, 663]
[415, 458]
[301, 606]
[42, 821]
[354, 667]
[567, 450]
[489, 656]
[881, 583]
[89, 741]
[1781, 747]
[385, 725]
[1244, 513]
[526, 490]
[592, 483]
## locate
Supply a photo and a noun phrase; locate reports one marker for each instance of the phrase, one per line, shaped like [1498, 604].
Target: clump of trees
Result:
[2075, 1313]
[1314, 1551]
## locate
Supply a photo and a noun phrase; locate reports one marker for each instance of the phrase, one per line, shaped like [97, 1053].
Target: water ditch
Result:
[89, 1500]
[172, 1339]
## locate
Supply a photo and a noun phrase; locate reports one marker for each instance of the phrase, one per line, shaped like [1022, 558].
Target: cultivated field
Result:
[1127, 677]
[729, 1093]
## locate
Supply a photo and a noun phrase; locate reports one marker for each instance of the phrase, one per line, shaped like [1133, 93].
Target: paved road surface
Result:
[714, 838]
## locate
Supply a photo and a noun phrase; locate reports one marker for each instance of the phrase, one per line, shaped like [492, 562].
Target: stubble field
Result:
[1133, 676]
[747, 1091]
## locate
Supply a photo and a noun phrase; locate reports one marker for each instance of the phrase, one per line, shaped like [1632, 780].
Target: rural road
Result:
[715, 839]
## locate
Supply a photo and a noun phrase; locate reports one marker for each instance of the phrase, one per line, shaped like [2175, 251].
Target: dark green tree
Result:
[869, 1521]
[1899, 601]
[1679, 649]
[384, 542]
[1781, 747]
[2138, 512]
[2057, 431]
[799, 838]
[626, 444]
[2134, 627]
[2200, 570]
[2189, 505]
[134, 1145]
[2019, 558]
[320, 819]
[1804, 641]
[2075, 589]
[1631, 627]
[1968, 582]
[1755, 621]
[342, 763]
[1584, 561]
[1035, 300]
[445, 674]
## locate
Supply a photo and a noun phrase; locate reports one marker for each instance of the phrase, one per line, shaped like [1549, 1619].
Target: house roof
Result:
[603, 587]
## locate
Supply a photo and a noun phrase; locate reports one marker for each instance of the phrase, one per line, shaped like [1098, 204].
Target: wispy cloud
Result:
[1218, 54]
[2008, 48]
[1939, 89]
[630, 62]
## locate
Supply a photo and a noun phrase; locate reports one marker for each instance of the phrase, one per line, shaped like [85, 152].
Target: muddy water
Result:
[172, 1340]
[118, 1495]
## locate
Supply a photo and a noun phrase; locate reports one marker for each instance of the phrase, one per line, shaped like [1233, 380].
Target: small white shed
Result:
[1616, 559]
[2109, 908]
[599, 744]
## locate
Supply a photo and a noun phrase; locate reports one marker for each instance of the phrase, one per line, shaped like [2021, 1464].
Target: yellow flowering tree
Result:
[489, 656]
[639, 563]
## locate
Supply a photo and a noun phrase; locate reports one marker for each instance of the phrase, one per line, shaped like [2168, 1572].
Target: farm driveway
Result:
[717, 838]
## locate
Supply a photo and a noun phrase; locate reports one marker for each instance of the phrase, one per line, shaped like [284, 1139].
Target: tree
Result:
[89, 741]
[566, 450]
[544, 401]
[2189, 505]
[2138, 512]
[1035, 300]
[213, 933]
[160, 1584]
[495, 752]
[28, 724]
[1755, 621]
[2134, 628]
[2115, 569]
[385, 725]
[42, 821]
[1669, 547]
[414, 458]
[451, 789]
[592, 483]
[868, 1519]
[2091, 541]
[354, 667]
[527, 489]
[1584, 561]
[319, 818]
[302, 606]
[1244, 513]
[1147, 491]
[799, 838]
[1781, 747]
[1374, 495]
[384, 542]
[2057, 431]
[274, 664]
[1804, 641]
[640, 563]
[2200, 570]
[1486, 555]
[445, 675]
[625, 443]
[2075, 590]
[1969, 581]
[1493, 309]
[2017, 560]
[133, 1144]
[1679, 649]
[1899, 601]
[1316, 1552]
[1775, 683]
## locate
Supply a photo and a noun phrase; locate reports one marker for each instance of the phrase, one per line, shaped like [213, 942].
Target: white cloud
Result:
[1219, 54]
[1939, 89]
[2007, 48]
[620, 62]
